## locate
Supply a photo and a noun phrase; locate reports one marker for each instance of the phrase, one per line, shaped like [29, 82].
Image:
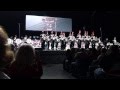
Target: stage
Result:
[50, 56]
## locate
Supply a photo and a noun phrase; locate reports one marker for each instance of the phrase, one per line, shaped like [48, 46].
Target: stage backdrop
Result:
[45, 23]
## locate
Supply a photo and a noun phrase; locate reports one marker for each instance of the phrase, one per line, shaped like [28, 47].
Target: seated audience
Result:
[68, 60]
[95, 64]
[111, 62]
[81, 65]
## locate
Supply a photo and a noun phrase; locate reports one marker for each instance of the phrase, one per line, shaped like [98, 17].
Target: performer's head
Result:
[56, 33]
[92, 33]
[11, 37]
[70, 34]
[30, 37]
[47, 32]
[106, 39]
[87, 33]
[15, 36]
[79, 31]
[42, 32]
[64, 34]
[61, 33]
[114, 38]
[51, 32]
[21, 37]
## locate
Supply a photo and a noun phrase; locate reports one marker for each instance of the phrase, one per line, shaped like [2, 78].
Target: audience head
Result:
[6, 55]
[3, 36]
[25, 55]
[103, 50]
[114, 49]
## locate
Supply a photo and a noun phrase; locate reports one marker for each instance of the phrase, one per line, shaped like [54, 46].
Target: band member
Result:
[75, 44]
[18, 42]
[87, 40]
[43, 40]
[105, 42]
[59, 45]
[25, 39]
[52, 34]
[52, 38]
[70, 35]
[114, 41]
[96, 45]
[67, 45]
[63, 43]
[45, 45]
[99, 40]
[61, 35]
[47, 34]
[93, 39]
[40, 43]
[72, 39]
[79, 39]
[90, 45]
[83, 44]
[56, 39]
[50, 45]
[42, 35]
[29, 41]
[15, 37]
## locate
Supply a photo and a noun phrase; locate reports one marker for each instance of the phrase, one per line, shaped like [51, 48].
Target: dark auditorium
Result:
[60, 44]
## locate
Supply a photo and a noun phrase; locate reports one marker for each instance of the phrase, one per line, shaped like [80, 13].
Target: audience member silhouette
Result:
[25, 66]
[6, 55]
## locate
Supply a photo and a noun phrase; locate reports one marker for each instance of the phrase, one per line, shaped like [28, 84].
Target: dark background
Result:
[109, 21]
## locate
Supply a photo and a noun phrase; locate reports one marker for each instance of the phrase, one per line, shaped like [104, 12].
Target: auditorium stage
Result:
[50, 56]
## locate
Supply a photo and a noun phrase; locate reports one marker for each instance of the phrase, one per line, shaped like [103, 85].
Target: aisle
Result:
[55, 71]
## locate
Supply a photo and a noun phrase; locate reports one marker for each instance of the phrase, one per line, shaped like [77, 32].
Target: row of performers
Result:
[59, 43]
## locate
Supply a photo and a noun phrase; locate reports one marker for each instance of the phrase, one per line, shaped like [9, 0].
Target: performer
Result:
[25, 39]
[87, 40]
[42, 35]
[45, 45]
[59, 45]
[67, 45]
[75, 44]
[63, 43]
[18, 42]
[93, 39]
[99, 40]
[52, 39]
[50, 46]
[79, 39]
[43, 40]
[114, 41]
[105, 42]
[55, 41]
[72, 39]
[61, 35]
[90, 45]
[83, 44]
[29, 41]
